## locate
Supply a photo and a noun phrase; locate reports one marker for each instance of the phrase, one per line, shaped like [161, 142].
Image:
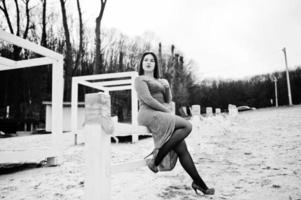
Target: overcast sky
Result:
[227, 38]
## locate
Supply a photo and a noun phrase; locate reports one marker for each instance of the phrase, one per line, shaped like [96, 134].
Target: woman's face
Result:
[148, 63]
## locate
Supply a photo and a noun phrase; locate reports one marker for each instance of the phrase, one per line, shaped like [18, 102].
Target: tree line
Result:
[257, 91]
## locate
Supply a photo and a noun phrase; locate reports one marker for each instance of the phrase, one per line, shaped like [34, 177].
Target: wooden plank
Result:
[26, 63]
[34, 62]
[92, 85]
[111, 83]
[7, 62]
[134, 106]
[128, 166]
[122, 129]
[105, 76]
[29, 45]
[32, 156]
[119, 88]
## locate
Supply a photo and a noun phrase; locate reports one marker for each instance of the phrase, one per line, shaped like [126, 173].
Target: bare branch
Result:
[44, 35]
[27, 19]
[5, 12]
[81, 33]
[18, 17]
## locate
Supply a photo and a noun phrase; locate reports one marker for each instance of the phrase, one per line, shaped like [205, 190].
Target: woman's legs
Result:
[182, 130]
[177, 143]
[188, 164]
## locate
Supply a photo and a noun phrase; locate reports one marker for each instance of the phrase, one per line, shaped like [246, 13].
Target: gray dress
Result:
[155, 114]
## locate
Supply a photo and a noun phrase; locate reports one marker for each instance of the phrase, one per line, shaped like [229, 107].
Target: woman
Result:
[169, 131]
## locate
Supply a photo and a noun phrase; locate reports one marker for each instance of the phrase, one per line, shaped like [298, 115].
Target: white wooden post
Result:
[7, 112]
[74, 109]
[57, 110]
[195, 110]
[232, 109]
[98, 127]
[195, 119]
[134, 106]
[208, 111]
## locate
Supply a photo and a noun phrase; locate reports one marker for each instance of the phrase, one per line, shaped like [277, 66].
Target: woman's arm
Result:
[167, 92]
[145, 96]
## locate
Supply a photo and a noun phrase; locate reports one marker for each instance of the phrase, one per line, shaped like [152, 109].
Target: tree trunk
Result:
[18, 17]
[27, 19]
[68, 57]
[121, 61]
[81, 33]
[161, 70]
[44, 35]
[98, 65]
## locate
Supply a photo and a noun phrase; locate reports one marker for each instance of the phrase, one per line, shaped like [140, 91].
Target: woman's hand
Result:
[165, 83]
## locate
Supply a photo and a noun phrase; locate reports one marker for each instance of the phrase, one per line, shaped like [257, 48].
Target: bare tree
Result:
[5, 12]
[68, 57]
[98, 65]
[3, 7]
[44, 35]
[81, 33]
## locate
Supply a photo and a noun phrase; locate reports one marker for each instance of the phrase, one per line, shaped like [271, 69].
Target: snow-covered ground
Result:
[256, 155]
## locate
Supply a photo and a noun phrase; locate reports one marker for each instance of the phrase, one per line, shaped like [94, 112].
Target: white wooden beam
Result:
[34, 62]
[5, 67]
[29, 45]
[128, 166]
[92, 85]
[134, 106]
[122, 129]
[111, 83]
[117, 88]
[7, 62]
[106, 76]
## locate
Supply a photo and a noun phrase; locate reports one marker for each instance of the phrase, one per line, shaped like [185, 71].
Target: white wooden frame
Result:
[98, 149]
[127, 83]
[52, 58]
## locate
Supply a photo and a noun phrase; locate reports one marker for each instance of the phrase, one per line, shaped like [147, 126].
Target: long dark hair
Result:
[156, 70]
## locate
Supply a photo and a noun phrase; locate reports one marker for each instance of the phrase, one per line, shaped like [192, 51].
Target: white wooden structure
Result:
[99, 127]
[106, 83]
[66, 115]
[209, 111]
[195, 117]
[232, 109]
[195, 110]
[50, 58]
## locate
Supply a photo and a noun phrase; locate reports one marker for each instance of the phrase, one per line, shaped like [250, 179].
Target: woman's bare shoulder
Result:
[140, 79]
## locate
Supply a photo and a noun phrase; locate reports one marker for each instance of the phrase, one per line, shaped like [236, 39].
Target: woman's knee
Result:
[181, 147]
[183, 124]
[189, 127]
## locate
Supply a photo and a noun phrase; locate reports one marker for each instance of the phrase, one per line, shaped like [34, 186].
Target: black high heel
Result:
[151, 162]
[209, 191]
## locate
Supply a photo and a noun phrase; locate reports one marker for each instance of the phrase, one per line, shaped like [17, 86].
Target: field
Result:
[255, 155]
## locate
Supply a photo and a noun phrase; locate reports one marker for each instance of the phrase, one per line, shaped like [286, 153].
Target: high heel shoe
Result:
[151, 165]
[151, 162]
[209, 191]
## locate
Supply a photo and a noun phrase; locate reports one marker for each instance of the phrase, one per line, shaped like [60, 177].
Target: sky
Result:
[226, 38]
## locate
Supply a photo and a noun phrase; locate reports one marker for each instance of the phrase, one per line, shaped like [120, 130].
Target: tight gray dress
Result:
[155, 114]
